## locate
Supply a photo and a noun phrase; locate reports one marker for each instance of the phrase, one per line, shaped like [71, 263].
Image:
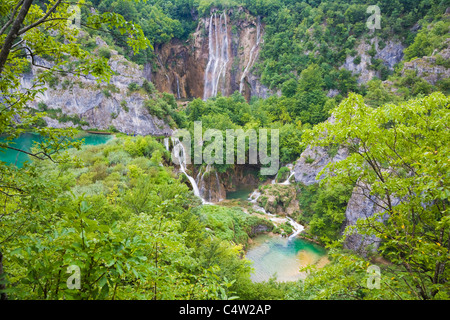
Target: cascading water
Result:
[298, 228]
[252, 56]
[166, 144]
[180, 154]
[288, 179]
[178, 89]
[218, 55]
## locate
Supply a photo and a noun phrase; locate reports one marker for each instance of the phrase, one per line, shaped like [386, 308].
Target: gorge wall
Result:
[218, 58]
[97, 105]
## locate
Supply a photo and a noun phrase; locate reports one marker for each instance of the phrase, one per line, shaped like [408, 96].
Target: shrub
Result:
[133, 86]
[104, 52]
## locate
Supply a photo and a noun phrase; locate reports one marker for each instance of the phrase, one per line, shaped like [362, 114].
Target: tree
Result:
[399, 160]
[29, 31]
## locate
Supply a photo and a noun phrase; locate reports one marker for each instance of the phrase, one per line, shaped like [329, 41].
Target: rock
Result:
[279, 199]
[427, 68]
[100, 105]
[213, 186]
[312, 161]
[391, 54]
[362, 205]
[187, 61]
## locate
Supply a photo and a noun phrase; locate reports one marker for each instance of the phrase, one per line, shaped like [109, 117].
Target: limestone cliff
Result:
[428, 68]
[213, 186]
[313, 160]
[99, 106]
[232, 36]
[390, 54]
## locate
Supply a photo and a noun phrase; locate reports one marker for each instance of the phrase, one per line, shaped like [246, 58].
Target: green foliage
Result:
[104, 52]
[231, 224]
[430, 38]
[401, 160]
[139, 238]
[323, 209]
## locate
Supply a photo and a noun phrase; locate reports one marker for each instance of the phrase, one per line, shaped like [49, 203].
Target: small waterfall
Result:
[298, 228]
[253, 198]
[168, 79]
[218, 55]
[252, 57]
[218, 185]
[287, 182]
[166, 144]
[180, 154]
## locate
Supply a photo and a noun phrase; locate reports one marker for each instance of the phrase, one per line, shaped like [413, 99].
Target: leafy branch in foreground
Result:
[399, 161]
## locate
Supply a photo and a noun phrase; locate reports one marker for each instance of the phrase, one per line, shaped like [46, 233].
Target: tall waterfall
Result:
[218, 55]
[178, 89]
[252, 57]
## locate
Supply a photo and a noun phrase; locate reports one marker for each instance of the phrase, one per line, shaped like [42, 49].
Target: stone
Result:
[84, 98]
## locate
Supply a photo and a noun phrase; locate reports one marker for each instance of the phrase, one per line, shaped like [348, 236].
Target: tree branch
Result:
[41, 20]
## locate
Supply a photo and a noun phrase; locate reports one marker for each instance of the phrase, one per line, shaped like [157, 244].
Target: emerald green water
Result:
[242, 193]
[26, 141]
[281, 257]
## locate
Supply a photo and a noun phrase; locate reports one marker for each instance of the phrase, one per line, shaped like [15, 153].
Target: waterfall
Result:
[253, 198]
[178, 89]
[180, 154]
[166, 144]
[218, 185]
[252, 55]
[288, 179]
[298, 228]
[218, 55]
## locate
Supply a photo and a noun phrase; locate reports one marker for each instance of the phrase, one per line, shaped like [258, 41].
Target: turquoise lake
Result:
[282, 258]
[26, 141]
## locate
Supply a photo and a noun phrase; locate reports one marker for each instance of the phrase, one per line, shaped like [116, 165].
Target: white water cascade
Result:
[218, 55]
[292, 172]
[253, 198]
[253, 56]
[180, 154]
[166, 144]
[178, 89]
[298, 228]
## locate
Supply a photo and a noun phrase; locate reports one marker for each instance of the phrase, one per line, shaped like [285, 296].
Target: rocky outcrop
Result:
[99, 105]
[363, 205]
[390, 54]
[427, 68]
[180, 66]
[213, 186]
[313, 160]
[279, 199]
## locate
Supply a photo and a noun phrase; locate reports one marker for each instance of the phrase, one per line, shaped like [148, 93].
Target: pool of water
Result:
[242, 193]
[282, 258]
[26, 141]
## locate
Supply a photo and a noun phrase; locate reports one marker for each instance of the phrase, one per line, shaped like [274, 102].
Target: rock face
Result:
[279, 199]
[313, 160]
[213, 186]
[180, 67]
[101, 106]
[363, 205]
[427, 68]
[391, 54]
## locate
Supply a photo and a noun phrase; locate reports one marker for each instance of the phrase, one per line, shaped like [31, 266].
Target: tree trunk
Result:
[13, 33]
[3, 295]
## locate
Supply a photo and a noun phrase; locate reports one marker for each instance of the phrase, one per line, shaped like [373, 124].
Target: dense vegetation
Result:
[119, 211]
